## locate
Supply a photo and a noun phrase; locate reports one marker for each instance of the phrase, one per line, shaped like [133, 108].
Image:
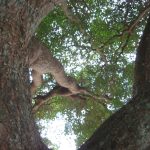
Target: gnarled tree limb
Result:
[62, 91]
[42, 61]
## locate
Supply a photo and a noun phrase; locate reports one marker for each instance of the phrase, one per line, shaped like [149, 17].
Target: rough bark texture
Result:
[129, 128]
[18, 22]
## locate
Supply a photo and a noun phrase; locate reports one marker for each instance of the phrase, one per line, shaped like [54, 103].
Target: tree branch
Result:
[40, 100]
[42, 61]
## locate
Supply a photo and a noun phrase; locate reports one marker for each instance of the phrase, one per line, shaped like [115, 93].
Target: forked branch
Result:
[42, 61]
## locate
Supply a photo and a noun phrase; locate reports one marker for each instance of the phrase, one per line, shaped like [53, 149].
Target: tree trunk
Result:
[18, 22]
[129, 128]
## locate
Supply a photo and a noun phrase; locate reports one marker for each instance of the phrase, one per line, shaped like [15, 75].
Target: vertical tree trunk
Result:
[18, 22]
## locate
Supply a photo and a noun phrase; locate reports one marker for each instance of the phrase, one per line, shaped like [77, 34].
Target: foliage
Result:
[97, 49]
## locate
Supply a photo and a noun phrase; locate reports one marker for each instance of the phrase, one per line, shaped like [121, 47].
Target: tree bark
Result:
[129, 128]
[18, 22]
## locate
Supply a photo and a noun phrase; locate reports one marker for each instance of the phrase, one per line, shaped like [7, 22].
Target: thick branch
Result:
[42, 61]
[142, 67]
[42, 99]
[61, 91]
[39, 9]
[56, 91]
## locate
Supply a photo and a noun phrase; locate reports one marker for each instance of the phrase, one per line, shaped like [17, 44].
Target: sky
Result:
[54, 131]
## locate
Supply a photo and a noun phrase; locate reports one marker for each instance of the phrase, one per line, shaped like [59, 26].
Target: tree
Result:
[18, 23]
[19, 20]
